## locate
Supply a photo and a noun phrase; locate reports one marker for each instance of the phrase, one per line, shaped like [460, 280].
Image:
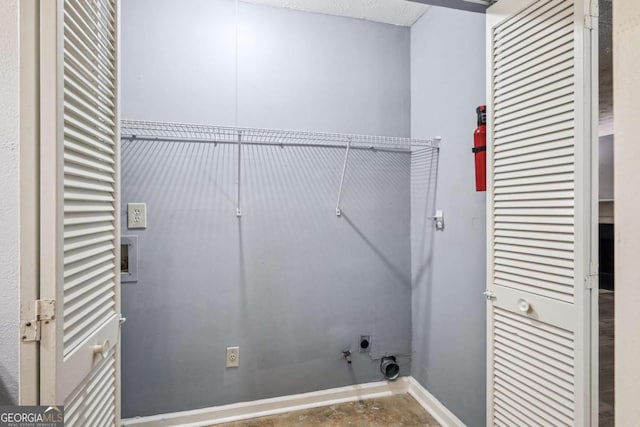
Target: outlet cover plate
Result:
[233, 357]
[136, 215]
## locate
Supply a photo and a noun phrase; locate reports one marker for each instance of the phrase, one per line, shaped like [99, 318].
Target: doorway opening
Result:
[606, 224]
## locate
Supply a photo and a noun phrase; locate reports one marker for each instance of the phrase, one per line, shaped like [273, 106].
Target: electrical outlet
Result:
[233, 357]
[137, 215]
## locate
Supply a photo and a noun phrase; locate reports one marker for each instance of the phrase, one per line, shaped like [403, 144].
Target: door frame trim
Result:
[594, 314]
[29, 285]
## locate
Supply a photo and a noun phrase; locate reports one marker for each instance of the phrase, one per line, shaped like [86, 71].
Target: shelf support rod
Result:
[344, 171]
[238, 208]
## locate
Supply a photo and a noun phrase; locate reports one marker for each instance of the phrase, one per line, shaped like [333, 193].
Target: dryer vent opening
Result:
[390, 368]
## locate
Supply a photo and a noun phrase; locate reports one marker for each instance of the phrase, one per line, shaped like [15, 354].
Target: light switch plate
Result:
[136, 215]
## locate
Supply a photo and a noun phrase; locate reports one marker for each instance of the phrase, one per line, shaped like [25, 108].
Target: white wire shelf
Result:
[137, 130]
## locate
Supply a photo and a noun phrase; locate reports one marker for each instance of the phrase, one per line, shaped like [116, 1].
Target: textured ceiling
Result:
[405, 13]
[397, 12]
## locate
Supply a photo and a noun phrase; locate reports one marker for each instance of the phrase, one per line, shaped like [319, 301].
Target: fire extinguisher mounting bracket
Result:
[479, 149]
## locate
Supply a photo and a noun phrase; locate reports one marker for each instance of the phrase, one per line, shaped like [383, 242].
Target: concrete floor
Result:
[395, 411]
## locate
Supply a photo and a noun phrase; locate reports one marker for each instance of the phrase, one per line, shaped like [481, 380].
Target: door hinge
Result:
[45, 310]
[592, 279]
[590, 22]
[591, 16]
[490, 296]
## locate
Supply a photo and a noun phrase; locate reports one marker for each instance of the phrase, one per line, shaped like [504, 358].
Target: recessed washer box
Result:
[128, 259]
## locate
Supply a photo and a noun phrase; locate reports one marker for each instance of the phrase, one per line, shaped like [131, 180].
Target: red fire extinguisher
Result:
[480, 148]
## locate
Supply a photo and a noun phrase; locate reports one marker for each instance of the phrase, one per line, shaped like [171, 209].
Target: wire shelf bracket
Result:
[344, 171]
[238, 206]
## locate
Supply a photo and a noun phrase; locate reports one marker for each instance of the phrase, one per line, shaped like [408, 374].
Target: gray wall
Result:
[290, 283]
[447, 84]
[296, 70]
[605, 170]
[9, 199]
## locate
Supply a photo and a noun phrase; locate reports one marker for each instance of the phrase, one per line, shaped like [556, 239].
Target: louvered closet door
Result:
[540, 205]
[80, 209]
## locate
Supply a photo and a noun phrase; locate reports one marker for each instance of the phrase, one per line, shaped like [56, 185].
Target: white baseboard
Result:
[297, 402]
[444, 416]
[274, 406]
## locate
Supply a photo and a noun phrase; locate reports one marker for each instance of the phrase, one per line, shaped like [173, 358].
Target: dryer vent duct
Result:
[390, 368]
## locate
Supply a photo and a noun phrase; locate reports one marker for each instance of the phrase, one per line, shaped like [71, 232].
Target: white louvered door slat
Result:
[540, 212]
[80, 184]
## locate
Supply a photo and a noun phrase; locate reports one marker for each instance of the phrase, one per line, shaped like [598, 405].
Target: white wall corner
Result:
[441, 413]
[626, 57]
